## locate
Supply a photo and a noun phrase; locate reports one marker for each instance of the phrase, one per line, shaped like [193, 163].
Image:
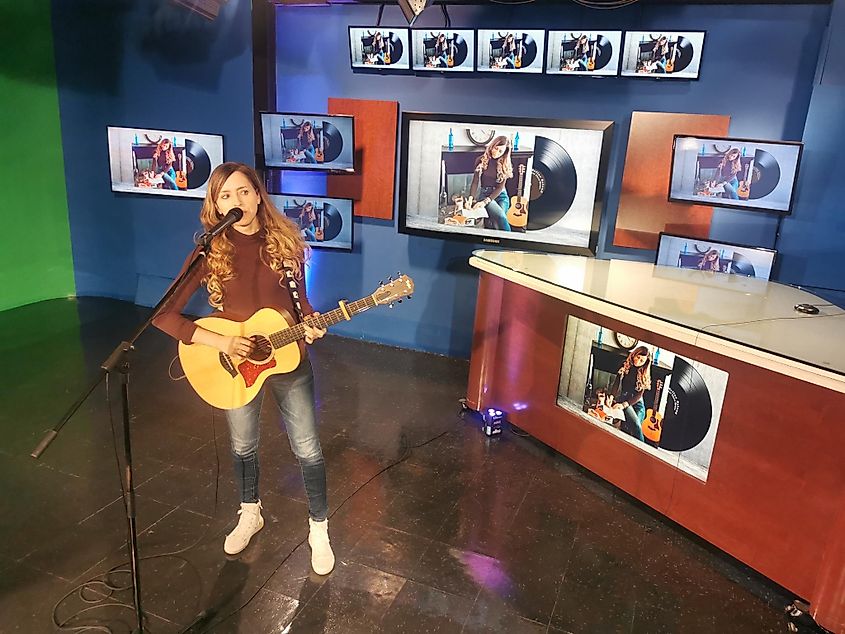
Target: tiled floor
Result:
[466, 534]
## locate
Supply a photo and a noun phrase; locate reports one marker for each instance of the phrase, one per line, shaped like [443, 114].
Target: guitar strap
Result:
[293, 289]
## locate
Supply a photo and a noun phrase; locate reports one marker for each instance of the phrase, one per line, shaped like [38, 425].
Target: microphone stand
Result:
[119, 360]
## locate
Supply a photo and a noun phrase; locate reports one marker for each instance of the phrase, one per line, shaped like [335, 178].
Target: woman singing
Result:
[250, 266]
[492, 172]
[632, 381]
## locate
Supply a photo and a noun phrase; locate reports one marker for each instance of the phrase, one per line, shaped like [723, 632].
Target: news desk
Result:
[773, 495]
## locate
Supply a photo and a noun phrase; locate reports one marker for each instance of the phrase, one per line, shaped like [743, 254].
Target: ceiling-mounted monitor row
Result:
[572, 52]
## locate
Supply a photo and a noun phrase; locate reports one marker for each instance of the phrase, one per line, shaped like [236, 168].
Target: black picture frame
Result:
[312, 167]
[321, 198]
[718, 243]
[661, 77]
[725, 202]
[605, 127]
[387, 69]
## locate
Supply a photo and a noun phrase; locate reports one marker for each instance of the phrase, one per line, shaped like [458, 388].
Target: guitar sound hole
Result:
[262, 349]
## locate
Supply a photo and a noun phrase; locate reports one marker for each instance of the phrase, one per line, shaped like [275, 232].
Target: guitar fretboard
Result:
[295, 333]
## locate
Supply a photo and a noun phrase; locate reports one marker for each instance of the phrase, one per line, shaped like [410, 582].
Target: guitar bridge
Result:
[227, 364]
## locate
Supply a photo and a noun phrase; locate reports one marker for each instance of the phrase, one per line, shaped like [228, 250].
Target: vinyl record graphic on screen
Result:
[554, 182]
[604, 52]
[766, 175]
[199, 165]
[687, 419]
[686, 53]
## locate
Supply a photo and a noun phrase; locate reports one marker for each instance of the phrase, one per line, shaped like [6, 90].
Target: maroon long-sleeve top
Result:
[254, 286]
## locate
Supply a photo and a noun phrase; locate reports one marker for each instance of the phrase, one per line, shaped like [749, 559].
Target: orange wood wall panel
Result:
[373, 184]
[774, 489]
[644, 210]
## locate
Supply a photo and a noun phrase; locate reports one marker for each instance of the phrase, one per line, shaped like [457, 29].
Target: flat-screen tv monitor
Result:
[581, 53]
[326, 223]
[528, 183]
[293, 140]
[443, 50]
[662, 54]
[685, 252]
[380, 47]
[162, 162]
[736, 173]
[511, 51]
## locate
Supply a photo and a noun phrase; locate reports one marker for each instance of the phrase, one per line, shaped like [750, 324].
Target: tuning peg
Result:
[389, 278]
[390, 305]
[399, 300]
[408, 297]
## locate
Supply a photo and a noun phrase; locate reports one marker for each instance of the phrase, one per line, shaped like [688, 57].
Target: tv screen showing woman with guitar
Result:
[583, 53]
[443, 51]
[253, 266]
[308, 141]
[511, 51]
[662, 55]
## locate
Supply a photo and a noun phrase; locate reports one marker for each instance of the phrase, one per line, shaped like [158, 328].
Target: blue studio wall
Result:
[758, 66]
[143, 64]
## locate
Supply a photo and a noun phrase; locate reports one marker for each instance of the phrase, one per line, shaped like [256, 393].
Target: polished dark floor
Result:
[466, 534]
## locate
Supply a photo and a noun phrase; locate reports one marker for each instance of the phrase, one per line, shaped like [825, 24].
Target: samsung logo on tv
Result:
[491, 240]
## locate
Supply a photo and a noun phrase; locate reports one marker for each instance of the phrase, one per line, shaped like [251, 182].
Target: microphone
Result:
[229, 219]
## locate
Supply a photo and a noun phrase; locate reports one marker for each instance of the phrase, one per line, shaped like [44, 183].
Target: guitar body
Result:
[181, 180]
[591, 63]
[743, 191]
[518, 62]
[230, 382]
[670, 67]
[318, 155]
[450, 61]
[318, 233]
[387, 58]
[518, 211]
[652, 426]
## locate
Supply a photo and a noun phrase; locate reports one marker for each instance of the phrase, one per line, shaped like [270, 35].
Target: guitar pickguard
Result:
[251, 371]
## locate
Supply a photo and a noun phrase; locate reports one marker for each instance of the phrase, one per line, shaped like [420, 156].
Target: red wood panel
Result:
[644, 209]
[373, 183]
[774, 489]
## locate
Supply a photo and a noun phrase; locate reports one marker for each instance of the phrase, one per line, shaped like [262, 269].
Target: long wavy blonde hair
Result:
[643, 372]
[504, 167]
[282, 238]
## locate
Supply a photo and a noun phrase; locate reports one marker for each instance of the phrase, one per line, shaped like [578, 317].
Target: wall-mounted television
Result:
[326, 223]
[380, 47]
[662, 54]
[685, 252]
[737, 173]
[295, 140]
[529, 183]
[511, 51]
[582, 53]
[443, 50]
[162, 162]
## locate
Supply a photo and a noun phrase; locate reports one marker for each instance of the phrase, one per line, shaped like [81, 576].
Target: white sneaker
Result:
[322, 557]
[249, 524]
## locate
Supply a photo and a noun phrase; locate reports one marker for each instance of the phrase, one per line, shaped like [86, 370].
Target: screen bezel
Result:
[446, 71]
[324, 170]
[669, 234]
[618, 55]
[379, 69]
[312, 245]
[606, 127]
[728, 205]
[510, 71]
[162, 192]
[664, 77]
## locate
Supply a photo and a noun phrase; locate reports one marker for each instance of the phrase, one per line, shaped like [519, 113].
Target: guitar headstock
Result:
[393, 290]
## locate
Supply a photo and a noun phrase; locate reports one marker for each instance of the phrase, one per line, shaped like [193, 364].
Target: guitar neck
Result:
[295, 333]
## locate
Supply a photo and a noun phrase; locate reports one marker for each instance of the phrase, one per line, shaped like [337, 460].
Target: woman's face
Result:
[238, 191]
[640, 359]
[712, 256]
[497, 150]
[733, 155]
[306, 127]
[165, 144]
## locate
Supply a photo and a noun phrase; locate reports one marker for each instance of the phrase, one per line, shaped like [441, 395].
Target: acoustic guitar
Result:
[387, 51]
[652, 425]
[670, 65]
[744, 189]
[591, 63]
[227, 381]
[518, 61]
[319, 233]
[181, 180]
[450, 59]
[318, 154]
[518, 211]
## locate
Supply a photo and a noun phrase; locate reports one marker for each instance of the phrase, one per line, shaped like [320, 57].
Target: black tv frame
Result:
[511, 72]
[321, 197]
[661, 77]
[446, 71]
[774, 252]
[606, 127]
[380, 69]
[726, 202]
[618, 56]
[328, 170]
[150, 193]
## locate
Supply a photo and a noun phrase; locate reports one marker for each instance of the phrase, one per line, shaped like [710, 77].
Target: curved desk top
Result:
[744, 318]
